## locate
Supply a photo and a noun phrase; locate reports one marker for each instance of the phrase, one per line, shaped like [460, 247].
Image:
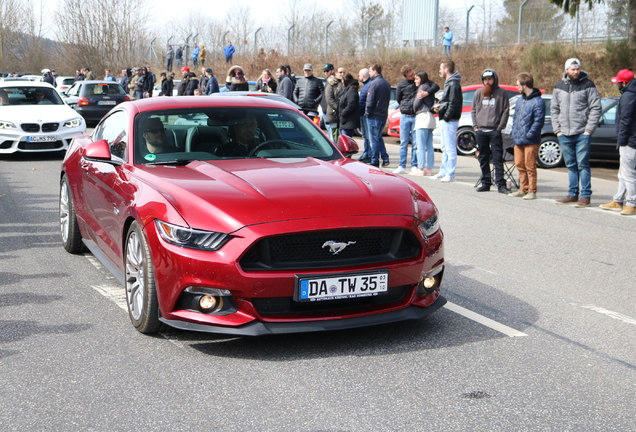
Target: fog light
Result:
[208, 302]
[429, 282]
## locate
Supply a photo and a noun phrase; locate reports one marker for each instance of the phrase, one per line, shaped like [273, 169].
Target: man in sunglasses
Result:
[155, 136]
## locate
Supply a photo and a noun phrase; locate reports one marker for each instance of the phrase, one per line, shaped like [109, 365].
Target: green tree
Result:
[540, 21]
[571, 6]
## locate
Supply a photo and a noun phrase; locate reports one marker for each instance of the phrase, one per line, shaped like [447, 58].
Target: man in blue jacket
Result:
[377, 111]
[526, 135]
[228, 51]
[626, 143]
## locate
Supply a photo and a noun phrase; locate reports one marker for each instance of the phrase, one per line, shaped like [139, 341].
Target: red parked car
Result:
[468, 93]
[237, 215]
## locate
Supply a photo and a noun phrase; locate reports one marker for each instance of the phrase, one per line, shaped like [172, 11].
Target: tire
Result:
[141, 294]
[466, 142]
[71, 236]
[550, 154]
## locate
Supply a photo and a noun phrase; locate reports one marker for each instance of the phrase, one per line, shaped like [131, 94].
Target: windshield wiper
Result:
[178, 162]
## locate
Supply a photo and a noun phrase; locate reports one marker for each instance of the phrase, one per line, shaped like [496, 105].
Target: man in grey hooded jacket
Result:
[576, 111]
[490, 116]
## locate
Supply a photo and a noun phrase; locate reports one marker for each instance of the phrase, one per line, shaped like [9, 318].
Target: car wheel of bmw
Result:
[550, 154]
[141, 296]
[466, 142]
[71, 236]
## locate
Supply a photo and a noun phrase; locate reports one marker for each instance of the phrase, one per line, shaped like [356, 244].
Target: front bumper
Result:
[258, 328]
[12, 142]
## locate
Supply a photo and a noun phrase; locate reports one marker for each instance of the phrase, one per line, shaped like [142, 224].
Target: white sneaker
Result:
[417, 172]
[436, 176]
[447, 179]
[399, 170]
[530, 196]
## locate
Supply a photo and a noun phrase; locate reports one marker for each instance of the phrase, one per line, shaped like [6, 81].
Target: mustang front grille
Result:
[328, 249]
[30, 127]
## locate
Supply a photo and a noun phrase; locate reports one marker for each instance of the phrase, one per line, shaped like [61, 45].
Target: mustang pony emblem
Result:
[336, 247]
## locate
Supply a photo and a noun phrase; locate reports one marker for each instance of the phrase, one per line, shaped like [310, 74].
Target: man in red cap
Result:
[183, 85]
[625, 198]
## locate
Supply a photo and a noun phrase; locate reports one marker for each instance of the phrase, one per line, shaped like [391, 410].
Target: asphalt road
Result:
[539, 334]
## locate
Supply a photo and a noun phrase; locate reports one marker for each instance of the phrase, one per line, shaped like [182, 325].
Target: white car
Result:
[64, 83]
[33, 118]
[466, 139]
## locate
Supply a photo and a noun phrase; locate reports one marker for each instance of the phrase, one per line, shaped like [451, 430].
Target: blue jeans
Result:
[449, 148]
[378, 148]
[347, 132]
[407, 123]
[576, 153]
[425, 151]
[139, 95]
[364, 128]
[447, 49]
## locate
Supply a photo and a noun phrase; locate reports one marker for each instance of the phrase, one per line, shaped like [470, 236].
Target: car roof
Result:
[25, 84]
[272, 96]
[176, 102]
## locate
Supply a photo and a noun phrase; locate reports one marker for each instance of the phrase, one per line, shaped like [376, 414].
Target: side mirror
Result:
[347, 145]
[98, 151]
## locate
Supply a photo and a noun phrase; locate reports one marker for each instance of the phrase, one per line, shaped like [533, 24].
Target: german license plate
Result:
[106, 102]
[341, 286]
[41, 138]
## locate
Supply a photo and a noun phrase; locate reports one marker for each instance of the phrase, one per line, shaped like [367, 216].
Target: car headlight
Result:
[76, 122]
[6, 125]
[191, 238]
[430, 226]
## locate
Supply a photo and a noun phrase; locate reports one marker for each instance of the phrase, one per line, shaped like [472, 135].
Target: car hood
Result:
[37, 114]
[242, 192]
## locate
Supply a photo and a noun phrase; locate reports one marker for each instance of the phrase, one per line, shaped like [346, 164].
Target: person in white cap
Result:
[576, 111]
[626, 143]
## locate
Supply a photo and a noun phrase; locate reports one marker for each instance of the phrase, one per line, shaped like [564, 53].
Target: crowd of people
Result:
[349, 104]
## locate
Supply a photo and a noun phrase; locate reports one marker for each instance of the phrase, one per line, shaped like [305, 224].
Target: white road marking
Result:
[611, 314]
[115, 293]
[508, 331]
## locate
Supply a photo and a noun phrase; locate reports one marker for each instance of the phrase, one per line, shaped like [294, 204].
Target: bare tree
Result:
[10, 18]
[119, 40]
[241, 25]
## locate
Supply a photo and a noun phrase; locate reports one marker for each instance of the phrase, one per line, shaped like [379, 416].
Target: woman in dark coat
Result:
[348, 107]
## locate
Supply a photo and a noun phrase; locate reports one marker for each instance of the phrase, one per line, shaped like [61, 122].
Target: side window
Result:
[609, 118]
[114, 130]
[73, 90]
[468, 97]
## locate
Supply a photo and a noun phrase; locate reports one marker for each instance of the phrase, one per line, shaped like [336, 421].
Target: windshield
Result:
[103, 89]
[227, 133]
[23, 95]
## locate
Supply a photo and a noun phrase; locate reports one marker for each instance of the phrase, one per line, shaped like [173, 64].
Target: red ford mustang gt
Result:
[237, 215]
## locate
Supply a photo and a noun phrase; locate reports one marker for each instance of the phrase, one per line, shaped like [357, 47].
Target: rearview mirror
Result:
[97, 150]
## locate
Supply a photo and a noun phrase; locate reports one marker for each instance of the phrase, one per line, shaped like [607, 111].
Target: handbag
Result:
[425, 120]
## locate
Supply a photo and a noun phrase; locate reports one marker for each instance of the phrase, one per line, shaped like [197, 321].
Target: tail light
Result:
[316, 120]
[127, 98]
[83, 101]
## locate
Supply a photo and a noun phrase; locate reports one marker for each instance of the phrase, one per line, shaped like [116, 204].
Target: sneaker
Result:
[628, 211]
[518, 194]
[613, 206]
[417, 172]
[398, 170]
[530, 196]
[436, 176]
[386, 163]
[570, 199]
[447, 179]
[483, 188]
[583, 202]
[428, 172]
[503, 190]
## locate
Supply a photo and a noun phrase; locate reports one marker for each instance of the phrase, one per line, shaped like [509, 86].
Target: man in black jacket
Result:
[626, 143]
[285, 84]
[405, 93]
[309, 91]
[450, 109]
[377, 111]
